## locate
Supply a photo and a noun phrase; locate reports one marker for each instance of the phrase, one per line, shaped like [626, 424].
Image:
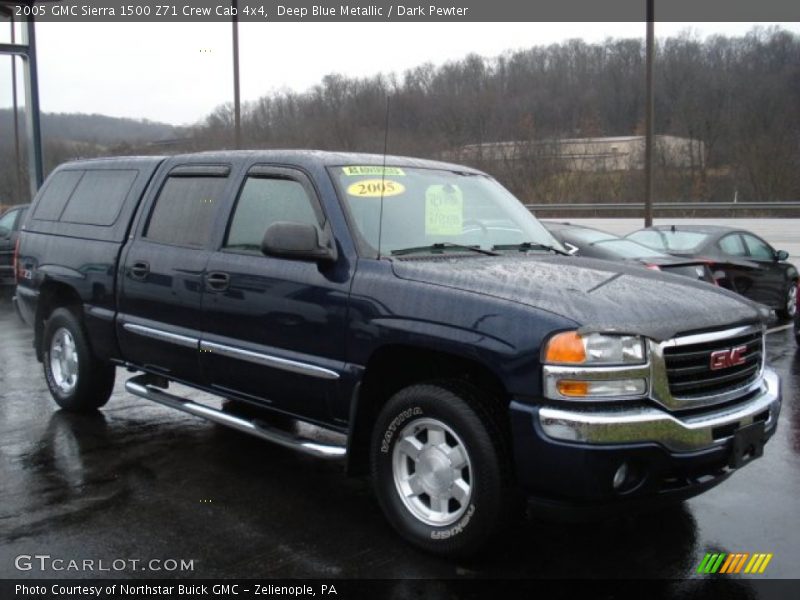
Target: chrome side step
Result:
[142, 385]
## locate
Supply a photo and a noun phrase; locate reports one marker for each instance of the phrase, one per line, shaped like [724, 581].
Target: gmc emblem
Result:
[723, 359]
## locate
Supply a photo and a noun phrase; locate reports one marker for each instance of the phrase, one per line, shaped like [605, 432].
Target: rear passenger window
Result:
[184, 211]
[52, 201]
[266, 201]
[732, 245]
[98, 198]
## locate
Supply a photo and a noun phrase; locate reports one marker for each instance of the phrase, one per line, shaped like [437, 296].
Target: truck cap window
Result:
[99, 196]
[184, 211]
[426, 207]
[264, 202]
[54, 197]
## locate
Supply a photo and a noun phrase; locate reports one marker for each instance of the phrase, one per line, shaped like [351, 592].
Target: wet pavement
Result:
[139, 481]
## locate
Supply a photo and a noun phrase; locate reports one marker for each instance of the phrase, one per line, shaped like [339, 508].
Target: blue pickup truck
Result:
[413, 310]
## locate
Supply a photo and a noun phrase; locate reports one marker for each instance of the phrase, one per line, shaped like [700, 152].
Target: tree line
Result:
[738, 97]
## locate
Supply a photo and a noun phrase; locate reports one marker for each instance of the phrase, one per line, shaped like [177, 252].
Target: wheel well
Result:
[393, 368]
[52, 295]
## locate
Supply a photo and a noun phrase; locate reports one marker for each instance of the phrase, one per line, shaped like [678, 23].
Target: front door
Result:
[274, 327]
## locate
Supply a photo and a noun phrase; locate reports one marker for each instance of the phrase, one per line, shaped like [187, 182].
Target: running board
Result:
[142, 385]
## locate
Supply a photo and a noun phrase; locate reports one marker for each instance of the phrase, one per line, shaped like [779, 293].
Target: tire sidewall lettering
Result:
[446, 534]
[391, 429]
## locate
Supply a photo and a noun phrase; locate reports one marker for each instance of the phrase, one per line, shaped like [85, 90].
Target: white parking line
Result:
[781, 328]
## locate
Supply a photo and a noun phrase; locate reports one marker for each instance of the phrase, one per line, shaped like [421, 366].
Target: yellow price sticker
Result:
[375, 188]
[444, 210]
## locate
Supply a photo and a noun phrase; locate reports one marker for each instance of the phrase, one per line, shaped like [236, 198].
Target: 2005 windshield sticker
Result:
[444, 210]
[375, 188]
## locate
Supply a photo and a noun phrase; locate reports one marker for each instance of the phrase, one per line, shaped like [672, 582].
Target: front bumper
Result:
[573, 454]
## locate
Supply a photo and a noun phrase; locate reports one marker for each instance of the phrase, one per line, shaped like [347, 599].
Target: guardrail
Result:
[628, 206]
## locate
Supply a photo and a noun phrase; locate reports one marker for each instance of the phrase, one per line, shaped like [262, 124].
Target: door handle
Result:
[218, 281]
[140, 269]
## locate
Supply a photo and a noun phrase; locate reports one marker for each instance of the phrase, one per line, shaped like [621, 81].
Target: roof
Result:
[698, 228]
[302, 158]
[329, 158]
[563, 226]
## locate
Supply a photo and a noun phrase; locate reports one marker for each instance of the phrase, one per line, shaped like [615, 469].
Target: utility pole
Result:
[648, 117]
[237, 104]
[15, 113]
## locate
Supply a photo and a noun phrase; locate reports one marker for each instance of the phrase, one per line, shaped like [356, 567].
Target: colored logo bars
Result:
[733, 563]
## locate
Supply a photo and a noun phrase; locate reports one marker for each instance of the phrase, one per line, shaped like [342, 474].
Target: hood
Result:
[599, 295]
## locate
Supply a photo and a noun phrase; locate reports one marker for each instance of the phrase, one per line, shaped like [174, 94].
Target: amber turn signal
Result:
[566, 347]
[573, 389]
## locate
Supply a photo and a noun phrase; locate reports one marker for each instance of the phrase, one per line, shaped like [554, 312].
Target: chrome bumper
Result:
[647, 424]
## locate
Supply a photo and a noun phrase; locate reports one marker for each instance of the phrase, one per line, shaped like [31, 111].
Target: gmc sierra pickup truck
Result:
[415, 309]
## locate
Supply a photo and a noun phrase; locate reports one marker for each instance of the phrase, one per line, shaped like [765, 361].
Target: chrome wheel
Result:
[791, 301]
[64, 360]
[432, 472]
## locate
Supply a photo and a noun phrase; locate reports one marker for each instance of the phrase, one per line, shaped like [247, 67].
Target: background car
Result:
[740, 260]
[10, 223]
[594, 243]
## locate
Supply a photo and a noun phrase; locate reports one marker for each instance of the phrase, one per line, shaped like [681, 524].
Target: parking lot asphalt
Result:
[139, 481]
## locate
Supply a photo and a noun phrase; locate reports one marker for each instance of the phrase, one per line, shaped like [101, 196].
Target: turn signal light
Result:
[573, 389]
[566, 347]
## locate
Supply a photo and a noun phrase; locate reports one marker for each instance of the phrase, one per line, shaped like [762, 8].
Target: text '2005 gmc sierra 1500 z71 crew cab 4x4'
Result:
[415, 308]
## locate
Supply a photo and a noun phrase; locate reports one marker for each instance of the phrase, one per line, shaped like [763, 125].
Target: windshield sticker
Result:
[444, 210]
[375, 188]
[390, 171]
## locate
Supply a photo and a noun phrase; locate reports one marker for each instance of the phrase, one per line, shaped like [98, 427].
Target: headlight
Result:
[595, 366]
[570, 348]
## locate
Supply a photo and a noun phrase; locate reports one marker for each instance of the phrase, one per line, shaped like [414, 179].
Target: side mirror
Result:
[297, 240]
[4, 233]
[781, 255]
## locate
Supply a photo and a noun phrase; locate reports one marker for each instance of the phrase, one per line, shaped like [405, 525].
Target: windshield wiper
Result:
[442, 246]
[530, 246]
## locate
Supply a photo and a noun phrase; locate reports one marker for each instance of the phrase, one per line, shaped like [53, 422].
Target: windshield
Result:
[669, 241]
[627, 249]
[425, 208]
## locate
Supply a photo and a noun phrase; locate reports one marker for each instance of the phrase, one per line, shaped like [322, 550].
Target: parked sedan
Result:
[594, 243]
[740, 260]
[10, 223]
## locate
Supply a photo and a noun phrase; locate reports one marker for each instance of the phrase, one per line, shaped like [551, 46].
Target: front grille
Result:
[689, 366]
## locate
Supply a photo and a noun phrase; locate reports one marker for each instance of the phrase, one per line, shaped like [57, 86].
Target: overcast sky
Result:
[178, 72]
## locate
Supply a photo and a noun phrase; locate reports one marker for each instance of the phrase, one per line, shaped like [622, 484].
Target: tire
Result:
[457, 494]
[78, 381]
[789, 310]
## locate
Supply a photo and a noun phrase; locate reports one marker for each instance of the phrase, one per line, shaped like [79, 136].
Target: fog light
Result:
[620, 477]
[603, 389]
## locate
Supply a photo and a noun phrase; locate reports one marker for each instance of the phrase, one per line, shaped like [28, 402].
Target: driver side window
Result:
[758, 248]
[7, 222]
[264, 201]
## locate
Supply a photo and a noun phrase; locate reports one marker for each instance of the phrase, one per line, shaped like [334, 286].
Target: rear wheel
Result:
[441, 468]
[77, 380]
[789, 309]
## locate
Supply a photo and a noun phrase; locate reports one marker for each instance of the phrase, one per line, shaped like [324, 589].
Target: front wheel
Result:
[78, 381]
[441, 469]
[789, 309]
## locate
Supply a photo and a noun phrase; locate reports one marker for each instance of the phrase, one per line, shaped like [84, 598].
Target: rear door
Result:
[163, 270]
[274, 327]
